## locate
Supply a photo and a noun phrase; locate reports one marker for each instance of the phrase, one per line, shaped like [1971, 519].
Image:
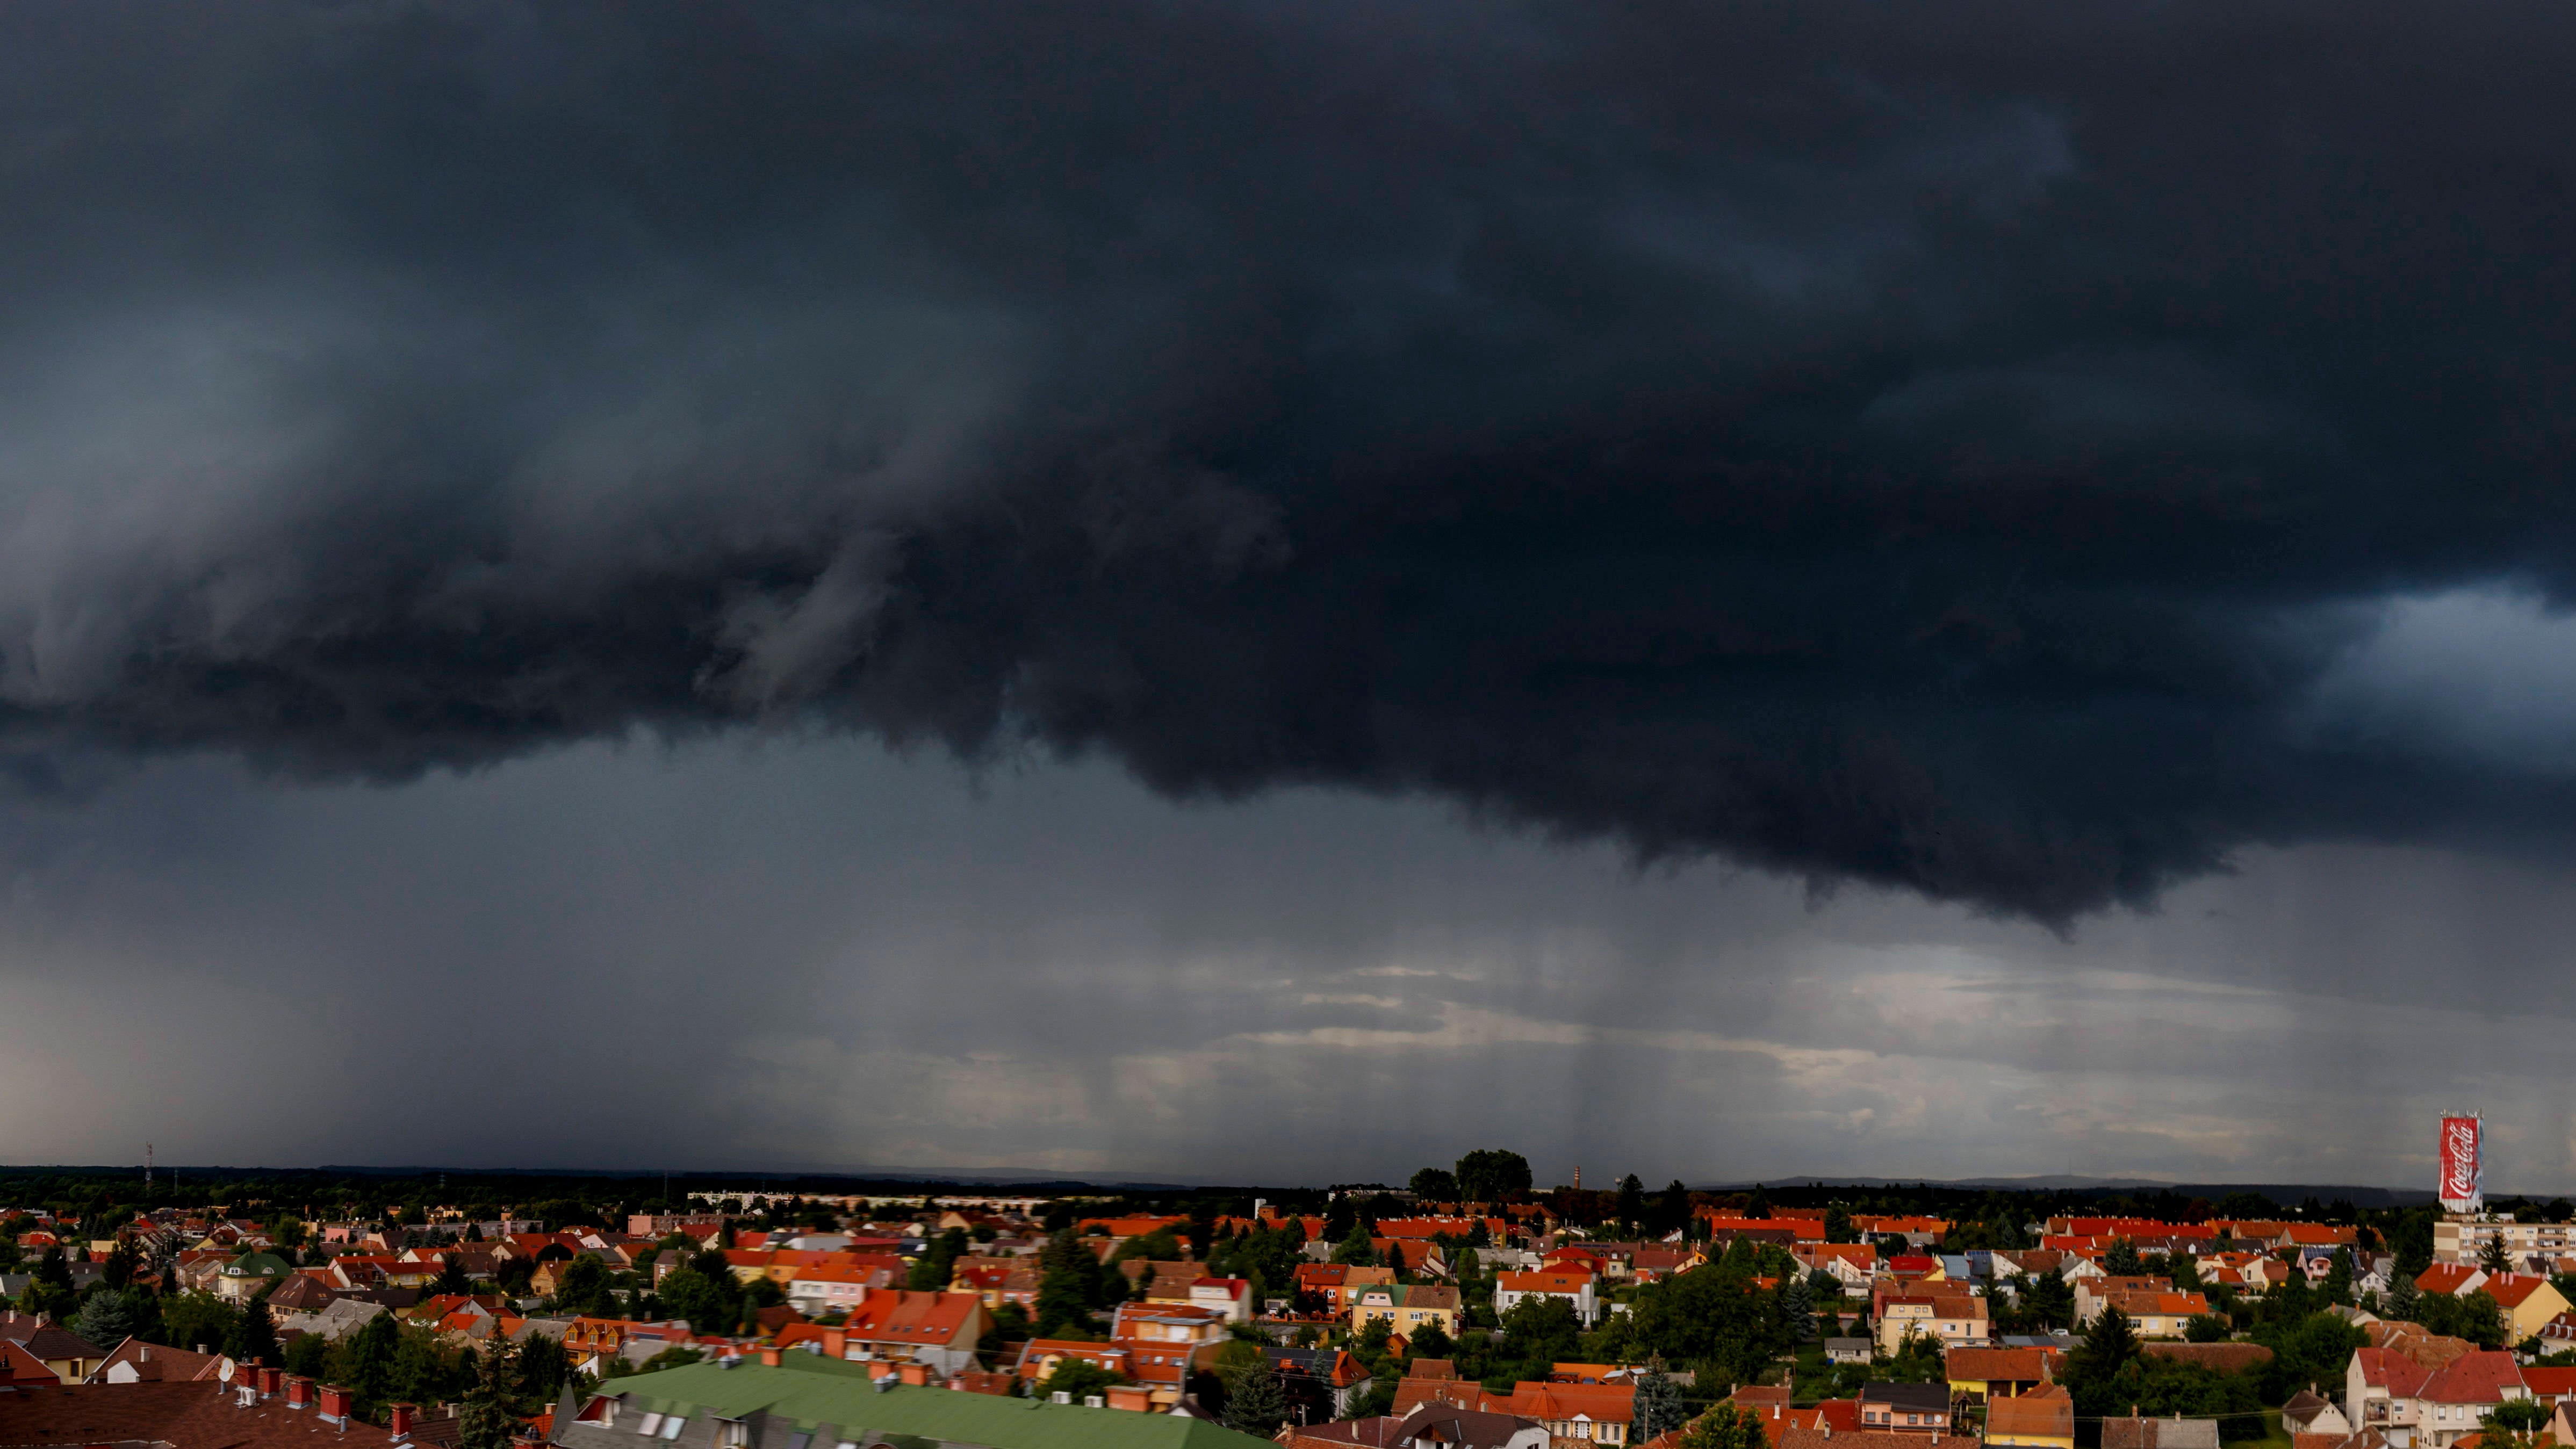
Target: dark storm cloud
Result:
[1941, 446]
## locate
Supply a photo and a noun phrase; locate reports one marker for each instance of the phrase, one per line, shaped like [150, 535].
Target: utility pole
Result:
[147, 1167]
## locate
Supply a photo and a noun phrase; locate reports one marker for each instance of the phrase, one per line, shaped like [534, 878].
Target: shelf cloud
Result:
[1998, 451]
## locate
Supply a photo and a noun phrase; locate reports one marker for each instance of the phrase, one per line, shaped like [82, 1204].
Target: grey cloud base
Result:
[1942, 448]
[818, 956]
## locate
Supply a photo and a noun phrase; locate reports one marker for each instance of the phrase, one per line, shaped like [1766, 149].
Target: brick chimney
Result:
[402, 1419]
[836, 1344]
[299, 1392]
[335, 1403]
[769, 1355]
[915, 1374]
[270, 1381]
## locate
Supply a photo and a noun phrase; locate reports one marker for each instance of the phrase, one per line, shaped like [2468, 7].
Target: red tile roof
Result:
[186, 1415]
[2445, 1278]
[2473, 1378]
[2510, 1289]
[2386, 1368]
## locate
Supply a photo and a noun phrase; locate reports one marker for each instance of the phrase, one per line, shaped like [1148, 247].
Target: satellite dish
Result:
[226, 1371]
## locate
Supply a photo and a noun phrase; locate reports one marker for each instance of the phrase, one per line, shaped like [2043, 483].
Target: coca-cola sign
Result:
[2460, 1165]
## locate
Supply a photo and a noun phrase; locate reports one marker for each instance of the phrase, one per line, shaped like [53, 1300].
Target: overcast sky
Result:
[1257, 593]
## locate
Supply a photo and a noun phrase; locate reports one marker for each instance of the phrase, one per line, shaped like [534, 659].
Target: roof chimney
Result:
[402, 1419]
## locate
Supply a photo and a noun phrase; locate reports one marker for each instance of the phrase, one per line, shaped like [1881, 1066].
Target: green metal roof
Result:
[814, 1390]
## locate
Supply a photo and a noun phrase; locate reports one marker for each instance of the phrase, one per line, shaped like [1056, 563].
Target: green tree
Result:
[1069, 1285]
[1075, 1377]
[2338, 1285]
[122, 1260]
[369, 1366]
[1630, 1205]
[254, 1338]
[2492, 1256]
[2516, 1420]
[2402, 1298]
[2206, 1328]
[1726, 1426]
[687, 1293]
[105, 1318]
[931, 1271]
[308, 1355]
[484, 1420]
[1490, 1174]
[451, 1278]
[1434, 1184]
[2108, 1347]
[1658, 1407]
[2051, 1301]
[1799, 1302]
[581, 1289]
[1356, 1249]
[49, 1288]
[542, 1368]
[1255, 1403]
[2121, 1259]
[1838, 1225]
[1540, 1330]
[197, 1321]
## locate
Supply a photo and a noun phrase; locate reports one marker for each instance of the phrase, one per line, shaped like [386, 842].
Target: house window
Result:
[672, 1426]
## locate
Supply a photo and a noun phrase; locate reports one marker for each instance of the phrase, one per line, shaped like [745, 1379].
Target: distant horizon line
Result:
[1005, 1178]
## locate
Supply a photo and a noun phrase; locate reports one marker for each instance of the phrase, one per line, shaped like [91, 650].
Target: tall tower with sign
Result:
[2463, 1163]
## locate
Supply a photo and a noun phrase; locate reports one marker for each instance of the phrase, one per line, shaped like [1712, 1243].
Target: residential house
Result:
[1320, 1384]
[2309, 1413]
[2451, 1279]
[2027, 1262]
[1039, 1357]
[2454, 1397]
[1404, 1308]
[1847, 1350]
[1164, 1344]
[2160, 1314]
[1867, 1438]
[2528, 1301]
[2093, 1293]
[2160, 1434]
[1657, 1261]
[997, 1281]
[1429, 1260]
[305, 1292]
[135, 1362]
[333, 1321]
[899, 1325]
[1999, 1373]
[1231, 1297]
[1577, 1416]
[1431, 1426]
[1340, 1285]
[1955, 1320]
[1918, 1232]
[2550, 1386]
[249, 1275]
[1575, 1288]
[2043, 1418]
[831, 1289]
[65, 1354]
[1905, 1408]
